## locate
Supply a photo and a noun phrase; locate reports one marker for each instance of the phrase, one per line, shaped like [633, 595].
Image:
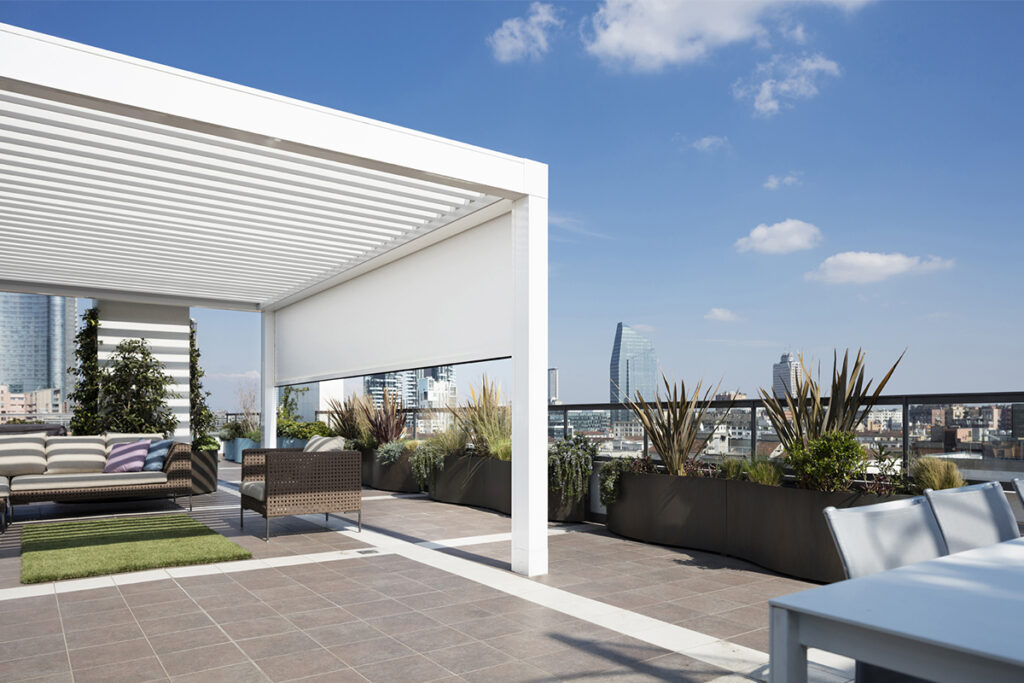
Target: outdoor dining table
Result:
[955, 618]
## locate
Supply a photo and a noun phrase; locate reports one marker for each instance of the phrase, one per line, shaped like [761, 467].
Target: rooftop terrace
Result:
[425, 592]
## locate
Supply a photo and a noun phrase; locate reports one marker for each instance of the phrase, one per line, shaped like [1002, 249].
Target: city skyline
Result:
[722, 224]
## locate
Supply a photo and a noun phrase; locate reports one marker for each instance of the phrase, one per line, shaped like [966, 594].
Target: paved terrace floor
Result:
[424, 593]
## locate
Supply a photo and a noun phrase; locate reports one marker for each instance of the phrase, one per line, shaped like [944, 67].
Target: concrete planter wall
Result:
[779, 528]
[233, 448]
[394, 477]
[487, 483]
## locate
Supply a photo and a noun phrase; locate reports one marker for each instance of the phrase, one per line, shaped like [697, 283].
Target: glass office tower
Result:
[634, 365]
[37, 335]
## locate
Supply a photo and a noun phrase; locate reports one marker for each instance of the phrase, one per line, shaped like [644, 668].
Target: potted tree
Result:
[201, 422]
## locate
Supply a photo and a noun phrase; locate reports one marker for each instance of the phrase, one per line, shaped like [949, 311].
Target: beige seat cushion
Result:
[22, 454]
[5, 487]
[319, 444]
[44, 482]
[75, 454]
[253, 489]
[117, 437]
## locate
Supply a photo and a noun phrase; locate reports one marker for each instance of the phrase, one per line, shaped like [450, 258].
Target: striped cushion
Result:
[118, 437]
[45, 482]
[22, 454]
[75, 454]
[5, 488]
[319, 444]
[127, 457]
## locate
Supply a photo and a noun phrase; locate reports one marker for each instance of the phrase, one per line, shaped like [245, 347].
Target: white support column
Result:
[268, 371]
[529, 395]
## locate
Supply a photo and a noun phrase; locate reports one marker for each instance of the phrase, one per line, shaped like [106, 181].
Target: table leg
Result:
[788, 658]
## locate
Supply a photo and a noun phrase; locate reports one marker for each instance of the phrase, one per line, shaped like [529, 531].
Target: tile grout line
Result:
[135, 619]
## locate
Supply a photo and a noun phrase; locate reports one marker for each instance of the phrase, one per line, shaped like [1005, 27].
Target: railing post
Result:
[906, 437]
[753, 431]
[646, 454]
[565, 423]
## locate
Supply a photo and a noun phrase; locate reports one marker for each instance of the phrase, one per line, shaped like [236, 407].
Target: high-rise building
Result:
[785, 374]
[404, 385]
[634, 365]
[37, 335]
[553, 386]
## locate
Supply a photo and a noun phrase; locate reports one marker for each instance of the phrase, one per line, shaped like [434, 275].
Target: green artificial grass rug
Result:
[71, 550]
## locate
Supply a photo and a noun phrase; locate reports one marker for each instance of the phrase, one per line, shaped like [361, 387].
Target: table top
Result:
[971, 601]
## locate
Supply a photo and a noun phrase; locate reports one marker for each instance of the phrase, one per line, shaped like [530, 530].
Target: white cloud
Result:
[648, 35]
[520, 38]
[784, 79]
[710, 143]
[794, 32]
[774, 182]
[574, 225]
[722, 315]
[863, 267]
[780, 238]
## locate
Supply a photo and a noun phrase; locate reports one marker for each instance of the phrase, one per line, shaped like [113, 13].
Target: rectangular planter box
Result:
[233, 448]
[777, 527]
[394, 477]
[487, 483]
[682, 511]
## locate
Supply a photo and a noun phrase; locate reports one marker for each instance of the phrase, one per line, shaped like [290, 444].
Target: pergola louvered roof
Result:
[124, 178]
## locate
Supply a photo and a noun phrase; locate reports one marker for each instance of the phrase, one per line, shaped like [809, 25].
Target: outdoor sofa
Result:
[320, 478]
[37, 467]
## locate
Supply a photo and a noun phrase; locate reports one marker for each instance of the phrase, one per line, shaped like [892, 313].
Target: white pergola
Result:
[131, 181]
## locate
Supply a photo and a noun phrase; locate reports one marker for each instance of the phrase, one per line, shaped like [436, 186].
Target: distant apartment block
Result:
[29, 404]
[553, 386]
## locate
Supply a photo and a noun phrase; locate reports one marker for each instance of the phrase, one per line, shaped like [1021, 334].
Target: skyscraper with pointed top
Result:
[634, 365]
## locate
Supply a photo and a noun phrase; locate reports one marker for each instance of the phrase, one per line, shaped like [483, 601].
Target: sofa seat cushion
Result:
[254, 489]
[75, 454]
[319, 444]
[22, 454]
[43, 482]
[5, 487]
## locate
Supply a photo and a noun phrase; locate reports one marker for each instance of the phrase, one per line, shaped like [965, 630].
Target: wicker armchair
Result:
[281, 482]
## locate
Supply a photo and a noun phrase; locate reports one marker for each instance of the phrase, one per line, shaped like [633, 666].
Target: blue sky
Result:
[878, 145]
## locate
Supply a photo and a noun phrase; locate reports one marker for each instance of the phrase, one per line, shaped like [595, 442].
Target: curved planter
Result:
[779, 528]
[487, 483]
[204, 471]
[394, 477]
[233, 448]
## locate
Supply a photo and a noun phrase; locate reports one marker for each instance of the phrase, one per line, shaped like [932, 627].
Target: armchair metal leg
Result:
[241, 517]
[360, 521]
[190, 501]
[267, 537]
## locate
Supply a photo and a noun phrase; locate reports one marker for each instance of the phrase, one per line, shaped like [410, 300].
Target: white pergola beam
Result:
[268, 373]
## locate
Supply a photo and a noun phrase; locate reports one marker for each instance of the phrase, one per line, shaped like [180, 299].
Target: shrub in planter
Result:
[935, 473]
[828, 463]
[764, 472]
[732, 468]
[610, 475]
[570, 464]
[428, 458]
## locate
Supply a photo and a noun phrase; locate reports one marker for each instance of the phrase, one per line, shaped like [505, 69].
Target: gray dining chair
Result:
[1018, 486]
[973, 516]
[874, 538]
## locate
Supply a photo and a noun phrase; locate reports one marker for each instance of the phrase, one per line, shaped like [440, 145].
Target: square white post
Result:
[529, 395]
[268, 371]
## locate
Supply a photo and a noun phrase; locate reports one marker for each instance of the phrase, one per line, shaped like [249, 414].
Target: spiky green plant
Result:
[386, 422]
[805, 415]
[732, 468]
[345, 418]
[486, 422]
[673, 425]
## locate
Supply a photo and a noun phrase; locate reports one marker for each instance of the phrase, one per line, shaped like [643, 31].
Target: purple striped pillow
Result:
[127, 457]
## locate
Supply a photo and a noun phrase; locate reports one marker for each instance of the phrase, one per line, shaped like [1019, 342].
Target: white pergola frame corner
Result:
[127, 180]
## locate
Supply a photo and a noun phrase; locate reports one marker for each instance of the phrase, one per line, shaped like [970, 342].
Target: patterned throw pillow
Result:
[157, 455]
[127, 457]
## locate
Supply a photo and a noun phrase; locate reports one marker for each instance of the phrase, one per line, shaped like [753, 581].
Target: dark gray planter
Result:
[366, 465]
[682, 511]
[204, 471]
[487, 483]
[777, 527]
[394, 477]
[784, 529]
